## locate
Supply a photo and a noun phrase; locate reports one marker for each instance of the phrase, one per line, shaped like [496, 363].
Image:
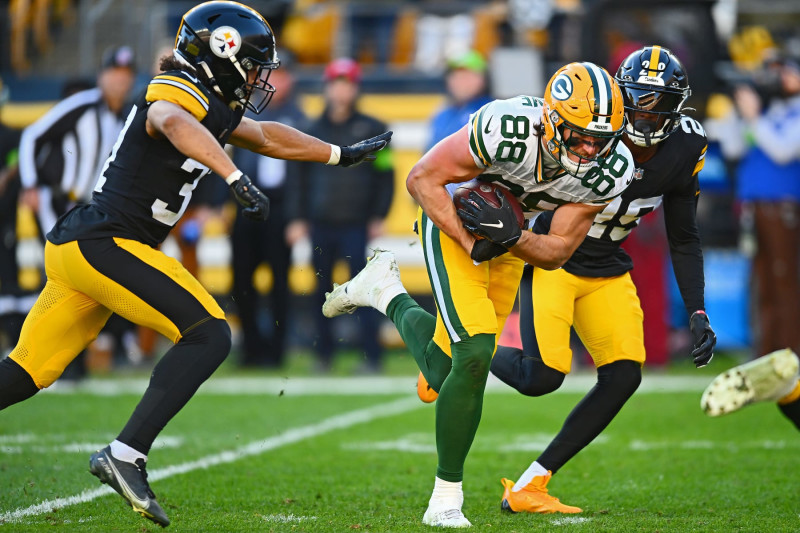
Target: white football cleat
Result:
[768, 378]
[375, 286]
[440, 517]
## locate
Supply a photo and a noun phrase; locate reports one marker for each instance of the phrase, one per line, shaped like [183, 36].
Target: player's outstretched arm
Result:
[280, 141]
[568, 228]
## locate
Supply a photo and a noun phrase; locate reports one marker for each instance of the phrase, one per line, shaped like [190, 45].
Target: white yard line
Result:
[291, 436]
[357, 386]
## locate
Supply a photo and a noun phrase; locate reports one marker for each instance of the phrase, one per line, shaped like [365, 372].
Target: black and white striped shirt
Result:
[63, 152]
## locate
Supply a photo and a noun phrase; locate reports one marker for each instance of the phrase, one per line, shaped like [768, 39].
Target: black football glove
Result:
[704, 339]
[363, 150]
[255, 205]
[498, 224]
[485, 250]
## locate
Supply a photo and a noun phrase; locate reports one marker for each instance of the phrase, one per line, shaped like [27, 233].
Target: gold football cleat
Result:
[533, 498]
[424, 390]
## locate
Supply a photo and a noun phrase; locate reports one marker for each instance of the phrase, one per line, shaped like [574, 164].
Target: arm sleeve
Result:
[680, 217]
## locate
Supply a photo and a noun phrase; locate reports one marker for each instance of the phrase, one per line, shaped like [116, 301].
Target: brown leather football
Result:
[486, 189]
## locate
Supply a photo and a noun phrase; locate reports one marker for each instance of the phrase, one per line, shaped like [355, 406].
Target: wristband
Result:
[336, 154]
[234, 176]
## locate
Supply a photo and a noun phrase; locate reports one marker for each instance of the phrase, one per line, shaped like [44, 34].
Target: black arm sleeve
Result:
[680, 217]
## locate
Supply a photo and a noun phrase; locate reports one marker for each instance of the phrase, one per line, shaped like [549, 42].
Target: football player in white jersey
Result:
[593, 291]
[560, 151]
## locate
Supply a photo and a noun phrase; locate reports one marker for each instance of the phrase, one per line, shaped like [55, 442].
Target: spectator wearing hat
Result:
[342, 211]
[62, 154]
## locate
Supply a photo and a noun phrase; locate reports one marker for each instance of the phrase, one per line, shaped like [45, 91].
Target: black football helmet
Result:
[227, 40]
[653, 81]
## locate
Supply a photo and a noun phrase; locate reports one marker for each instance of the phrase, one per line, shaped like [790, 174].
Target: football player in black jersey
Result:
[102, 257]
[593, 291]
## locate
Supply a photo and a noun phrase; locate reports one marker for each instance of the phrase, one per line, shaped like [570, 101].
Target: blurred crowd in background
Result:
[418, 67]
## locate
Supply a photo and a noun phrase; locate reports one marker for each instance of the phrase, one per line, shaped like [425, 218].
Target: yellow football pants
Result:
[471, 299]
[605, 312]
[86, 282]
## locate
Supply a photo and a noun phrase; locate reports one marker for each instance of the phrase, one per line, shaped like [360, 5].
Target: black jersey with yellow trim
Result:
[669, 176]
[146, 183]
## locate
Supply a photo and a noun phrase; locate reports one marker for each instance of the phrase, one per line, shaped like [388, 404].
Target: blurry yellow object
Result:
[18, 115]
[216, 279]
[749, 47]
[263, 279]
[310, 35]
[302, 280]
[385, 107]
[719, 106]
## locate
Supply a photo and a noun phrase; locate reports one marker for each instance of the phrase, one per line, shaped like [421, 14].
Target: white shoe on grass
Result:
[767, 379]
[375, 286]
[441, 517]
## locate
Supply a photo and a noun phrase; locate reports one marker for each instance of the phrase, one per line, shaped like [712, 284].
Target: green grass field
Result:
[258, 453]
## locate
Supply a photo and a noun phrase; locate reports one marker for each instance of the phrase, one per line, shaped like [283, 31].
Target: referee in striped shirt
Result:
[62, 153]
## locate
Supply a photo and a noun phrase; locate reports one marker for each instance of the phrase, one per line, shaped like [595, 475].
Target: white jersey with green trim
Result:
[504, 140]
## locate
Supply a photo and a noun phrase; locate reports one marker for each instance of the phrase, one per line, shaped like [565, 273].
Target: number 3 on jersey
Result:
[159, 207]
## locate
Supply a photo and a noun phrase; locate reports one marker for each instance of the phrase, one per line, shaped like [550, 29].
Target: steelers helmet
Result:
[226, 41]
[583, 98]
[653, 81]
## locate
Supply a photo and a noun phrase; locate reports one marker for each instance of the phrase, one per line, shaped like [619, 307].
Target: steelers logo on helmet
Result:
[582, 107]
[225, 42]
[232, 47]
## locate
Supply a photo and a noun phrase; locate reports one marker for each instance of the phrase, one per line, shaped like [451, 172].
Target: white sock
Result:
[386, 296]
[534, 470]
[447, 494]
[123, 452]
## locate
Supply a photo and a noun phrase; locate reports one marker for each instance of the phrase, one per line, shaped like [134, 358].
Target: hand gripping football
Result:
[488, 191]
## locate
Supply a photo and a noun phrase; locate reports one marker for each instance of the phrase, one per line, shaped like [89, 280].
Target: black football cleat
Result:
[130, 481]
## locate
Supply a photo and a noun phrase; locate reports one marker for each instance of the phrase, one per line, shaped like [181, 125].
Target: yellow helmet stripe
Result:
[655, 54]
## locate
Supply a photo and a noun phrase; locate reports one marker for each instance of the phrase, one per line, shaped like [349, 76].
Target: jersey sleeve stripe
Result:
[170, 92]
[476, 139]
[700, 162]
[190, 87]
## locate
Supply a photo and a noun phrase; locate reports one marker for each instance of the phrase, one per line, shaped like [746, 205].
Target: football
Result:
[487, 191]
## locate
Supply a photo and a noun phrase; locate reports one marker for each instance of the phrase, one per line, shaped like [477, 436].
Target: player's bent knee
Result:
[624, 376]
[215, 335]
[16, 384]
[540, 379]
[472, 356]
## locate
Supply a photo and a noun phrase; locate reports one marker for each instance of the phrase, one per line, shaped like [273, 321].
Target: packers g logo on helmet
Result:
[585, 99]
[562, 87]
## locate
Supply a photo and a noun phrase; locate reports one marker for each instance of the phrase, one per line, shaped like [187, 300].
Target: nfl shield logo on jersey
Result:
[638, 173]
